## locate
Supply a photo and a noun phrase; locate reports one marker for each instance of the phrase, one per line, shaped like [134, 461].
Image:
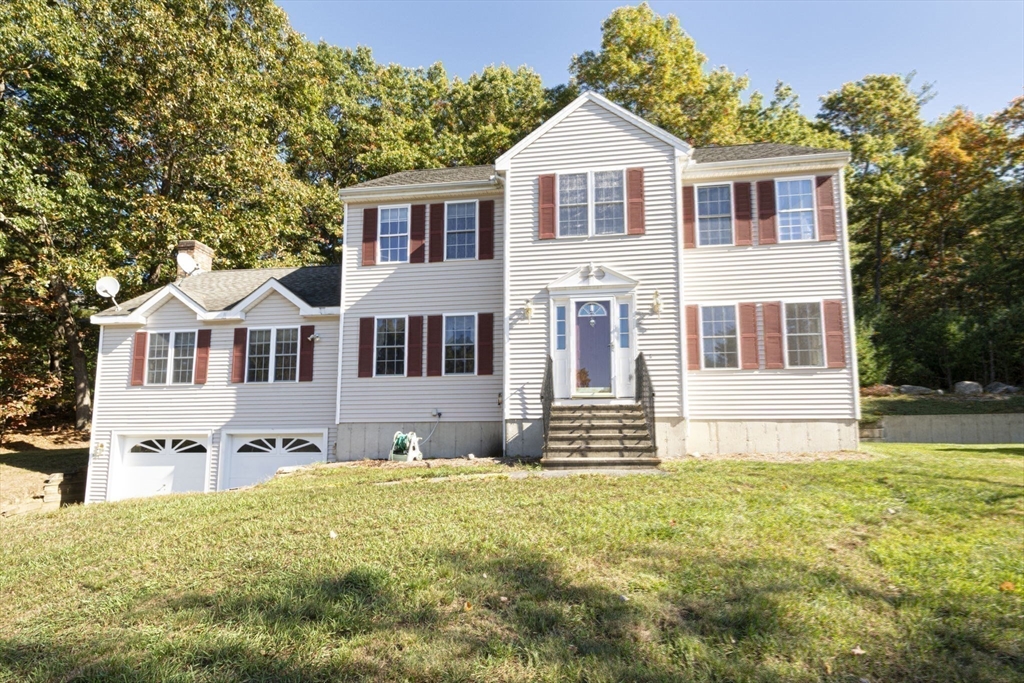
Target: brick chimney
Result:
[200, 253]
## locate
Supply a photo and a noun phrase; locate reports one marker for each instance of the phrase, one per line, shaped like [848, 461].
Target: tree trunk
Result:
[79, 364]
[878, 259]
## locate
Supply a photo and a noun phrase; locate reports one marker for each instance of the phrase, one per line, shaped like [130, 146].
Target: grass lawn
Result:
[873, 408]
[894, 567]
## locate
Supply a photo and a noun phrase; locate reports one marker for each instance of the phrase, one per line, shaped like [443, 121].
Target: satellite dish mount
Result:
[187, 264]
[108, 287]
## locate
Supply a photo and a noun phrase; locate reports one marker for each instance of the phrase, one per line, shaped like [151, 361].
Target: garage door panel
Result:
[257, 458]
[159, 465]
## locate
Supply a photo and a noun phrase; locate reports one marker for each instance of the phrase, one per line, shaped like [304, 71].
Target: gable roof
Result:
[223, 290]
[757, 150]
[681, 147]
[430, 176]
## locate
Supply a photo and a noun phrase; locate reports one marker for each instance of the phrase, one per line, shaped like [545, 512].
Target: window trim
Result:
[554, 330]
[405, 353]
[591, 203]
[273, 353]
[700, 332]
[170, 358]
[408, 231]
[444, 344]
[785, 334]
[732, 213]
[778, 211]
[476, 229]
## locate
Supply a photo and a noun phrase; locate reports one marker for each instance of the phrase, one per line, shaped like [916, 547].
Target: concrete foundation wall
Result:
[779, 436]
[524, 438]
[359, 440]
[1008, 428]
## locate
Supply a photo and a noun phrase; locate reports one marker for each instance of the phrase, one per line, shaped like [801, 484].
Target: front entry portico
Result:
[592, 340]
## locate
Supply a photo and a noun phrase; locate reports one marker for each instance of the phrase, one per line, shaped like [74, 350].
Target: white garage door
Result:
[256, 458]
[151, 466]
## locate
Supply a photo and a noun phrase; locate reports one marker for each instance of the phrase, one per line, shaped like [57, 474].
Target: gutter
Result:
[352, 194]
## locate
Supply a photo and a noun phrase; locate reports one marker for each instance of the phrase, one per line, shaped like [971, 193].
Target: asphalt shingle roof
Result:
[220, 290]
[758, 150]
[426, 176]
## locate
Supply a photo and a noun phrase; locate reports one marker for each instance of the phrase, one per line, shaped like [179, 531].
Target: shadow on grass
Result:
[34, 459]
[449, 622]
[982, 450]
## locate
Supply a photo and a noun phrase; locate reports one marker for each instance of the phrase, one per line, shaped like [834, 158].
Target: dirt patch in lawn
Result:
[822, 456]
[28, 458]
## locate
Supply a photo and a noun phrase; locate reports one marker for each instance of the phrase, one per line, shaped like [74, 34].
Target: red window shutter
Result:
[835, 336]
[773, 335]
[139, 359]
[826, 209]
[485, 344]
[436, 233]
[238, 350]
[546, 197]
[414, 363]
[689, 219]
[635, 200]
[417, 233]
[202, 356]
[766, 212]
[748, 337]
[485, 250]
[366, 344]
[435, 345]
[693, 337]
[306, 352]
[370, 236]
[743, 212]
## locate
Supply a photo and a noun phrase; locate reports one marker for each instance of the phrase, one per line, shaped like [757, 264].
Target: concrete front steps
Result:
[589, 436]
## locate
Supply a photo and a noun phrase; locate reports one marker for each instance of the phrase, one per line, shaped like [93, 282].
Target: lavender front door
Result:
[593, 347]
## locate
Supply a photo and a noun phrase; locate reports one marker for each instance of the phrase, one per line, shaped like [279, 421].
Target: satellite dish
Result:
[186, 263]
[108, 287]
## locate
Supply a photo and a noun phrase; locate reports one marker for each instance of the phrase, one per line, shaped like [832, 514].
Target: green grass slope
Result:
[894, 567]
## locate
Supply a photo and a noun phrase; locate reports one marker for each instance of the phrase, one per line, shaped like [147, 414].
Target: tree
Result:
[24, 383]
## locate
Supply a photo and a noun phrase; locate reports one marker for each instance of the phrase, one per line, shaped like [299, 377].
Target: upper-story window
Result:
[609, 203]
[273, 355]
[459, 344]
[460, 231]
[719, 337]
[390, 347]
[805, 344]
[572, 205]
[393, 232]
[606, 203]
[795, 202]
[714, 215]
[171, 357]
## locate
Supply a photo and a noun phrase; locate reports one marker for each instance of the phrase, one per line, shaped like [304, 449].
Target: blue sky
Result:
[972, 51]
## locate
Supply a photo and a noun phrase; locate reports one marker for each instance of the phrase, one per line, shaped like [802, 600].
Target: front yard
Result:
[902, 565]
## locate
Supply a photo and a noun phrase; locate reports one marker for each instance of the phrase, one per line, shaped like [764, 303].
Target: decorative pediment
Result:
[592, 276]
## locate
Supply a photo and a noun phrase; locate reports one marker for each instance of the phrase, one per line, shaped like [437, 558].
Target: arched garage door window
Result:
[168, 446]
[288, 445]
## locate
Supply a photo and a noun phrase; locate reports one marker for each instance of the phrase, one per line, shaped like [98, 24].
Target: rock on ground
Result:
[1000, 388]
[915, 390]
[967, 388]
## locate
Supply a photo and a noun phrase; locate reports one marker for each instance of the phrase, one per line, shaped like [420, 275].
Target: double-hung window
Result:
[609, 203]
[714, 215]
[393, 234]
[171, 357]
[606, 203]
[572, 205]
[460, 231]
[795, 208]
[460, 344]
[804, 342]
[273, 355]
[719, 337]
[390, 347]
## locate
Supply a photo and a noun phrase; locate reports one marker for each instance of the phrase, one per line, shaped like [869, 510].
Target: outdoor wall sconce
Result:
[314, 337]
[656, 303]
[528, 310]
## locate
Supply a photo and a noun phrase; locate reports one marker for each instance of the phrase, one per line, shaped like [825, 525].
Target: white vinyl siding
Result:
[217, 405]
[438, 288]
[591, 137]
[800, 271]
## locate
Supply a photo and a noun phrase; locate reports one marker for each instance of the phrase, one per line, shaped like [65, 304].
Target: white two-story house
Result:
[603, 293]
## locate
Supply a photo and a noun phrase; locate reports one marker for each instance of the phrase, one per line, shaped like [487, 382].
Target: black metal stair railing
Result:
[547, 396]
[645, 396]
